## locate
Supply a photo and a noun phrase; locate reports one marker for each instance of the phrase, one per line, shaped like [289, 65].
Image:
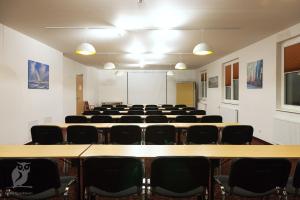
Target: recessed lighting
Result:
[109, 65]
[180, 65]
[85, 49]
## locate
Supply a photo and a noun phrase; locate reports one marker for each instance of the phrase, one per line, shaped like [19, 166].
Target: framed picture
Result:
[255, 75]
[213, 82]
[38, 75]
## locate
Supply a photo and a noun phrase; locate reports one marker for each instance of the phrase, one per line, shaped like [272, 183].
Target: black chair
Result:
[293, 185]
[189, 108]
[197, 112]
[125, 134]
[180, 176]
[131, 119]
[202, 135]
[101, 119]
[137, 106]
[32, 179]
[113, 177]
[237, 134]
[100, 108]
[106, 106]
[177, 112]
[91, 112]
[156, 119]
[212, 119]
[186, 119]
[167, 106]
[76, 119]
[151, 108]
[111, 112]
[121, 106]
[253, 177]
[160, 134]
[82, 135]
[154, 112]
[180, 106]
[42, 134]
[171, 108]
[117, 108]
[135, 112]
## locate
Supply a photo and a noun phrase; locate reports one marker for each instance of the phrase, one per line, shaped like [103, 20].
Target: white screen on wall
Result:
[146, 88]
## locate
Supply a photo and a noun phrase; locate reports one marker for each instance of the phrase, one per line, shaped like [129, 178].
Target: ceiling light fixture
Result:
[180, 65]
[109, 65]
[85, 49]
[170, 73]
[202, 49]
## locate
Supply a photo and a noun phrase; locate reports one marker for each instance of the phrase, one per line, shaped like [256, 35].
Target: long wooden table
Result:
[144, 116]
[144, 125]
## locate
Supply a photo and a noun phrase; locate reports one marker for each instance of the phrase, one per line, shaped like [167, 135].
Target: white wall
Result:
[22, 107]
[113, 88]
[256, 106]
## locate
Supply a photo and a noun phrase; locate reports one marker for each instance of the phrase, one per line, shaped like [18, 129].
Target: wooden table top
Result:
[144, 125]
[144, 116]
[42, 151]
[210, 151]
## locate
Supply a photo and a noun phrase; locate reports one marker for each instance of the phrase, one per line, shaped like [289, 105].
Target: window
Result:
[203, 85]
[291, 72]
[231, 83]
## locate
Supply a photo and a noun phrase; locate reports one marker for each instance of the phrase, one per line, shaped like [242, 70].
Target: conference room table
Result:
[149, 151]
[144, 116]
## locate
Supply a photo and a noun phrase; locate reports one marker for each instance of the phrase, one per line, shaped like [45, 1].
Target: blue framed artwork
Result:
[38, 75]
[255, 75]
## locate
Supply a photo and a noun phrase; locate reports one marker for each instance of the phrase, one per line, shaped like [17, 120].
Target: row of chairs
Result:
[139, 119]
[147, 112]
[174, 177]
[155, 134]
[143, 106]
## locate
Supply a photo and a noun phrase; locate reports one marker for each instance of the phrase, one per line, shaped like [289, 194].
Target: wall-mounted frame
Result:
[38, 75]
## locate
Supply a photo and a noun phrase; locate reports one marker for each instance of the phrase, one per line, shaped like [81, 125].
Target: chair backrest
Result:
[189, 108]
[296, 179]
[180, 106]
[106, 106]
[100, 108]
[156, 119]
[42, 134]
[131, 119]
[117, 108]
[121, 106]
[167, 106]
[125, 134]
[179, 176]
[82, 134]
[160, 134]
[237, 134]
[101, 119]
[117, 176]
[154, 112]
[151, 108]
[111, 112]
[76, 119]
[91, 112]
[137, 106]
[259, 175]
[202, 135]
[212, 119]
[135, 112]
[197, 112]
[186, 119]
[29, 176]
[177, 112]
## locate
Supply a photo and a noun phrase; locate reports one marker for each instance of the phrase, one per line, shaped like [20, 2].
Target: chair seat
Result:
[190, 193]
[127, 192]
[224, 180]
[65, 181]
[291, 189]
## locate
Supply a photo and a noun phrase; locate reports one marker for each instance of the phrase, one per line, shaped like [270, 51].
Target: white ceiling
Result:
[169, 28]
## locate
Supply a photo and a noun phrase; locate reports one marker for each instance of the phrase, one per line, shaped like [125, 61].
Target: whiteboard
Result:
[147, 87]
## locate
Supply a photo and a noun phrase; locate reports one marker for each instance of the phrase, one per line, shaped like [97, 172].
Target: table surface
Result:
[210, 151]
[144, 116]
[42, 151]
[144, 125]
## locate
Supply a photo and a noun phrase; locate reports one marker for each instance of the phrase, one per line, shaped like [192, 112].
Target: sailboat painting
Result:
[38, 75]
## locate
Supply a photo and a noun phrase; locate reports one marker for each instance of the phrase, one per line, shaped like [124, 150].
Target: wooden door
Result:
[185, 93]
[79, 94]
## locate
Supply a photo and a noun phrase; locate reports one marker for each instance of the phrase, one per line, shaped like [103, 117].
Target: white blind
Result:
[146, 87]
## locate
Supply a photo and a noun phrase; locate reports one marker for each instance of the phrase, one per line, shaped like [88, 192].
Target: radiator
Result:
[286, 132]
[229, 114]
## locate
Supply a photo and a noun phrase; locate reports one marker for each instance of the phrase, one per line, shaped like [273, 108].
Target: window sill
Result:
[288, 110]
